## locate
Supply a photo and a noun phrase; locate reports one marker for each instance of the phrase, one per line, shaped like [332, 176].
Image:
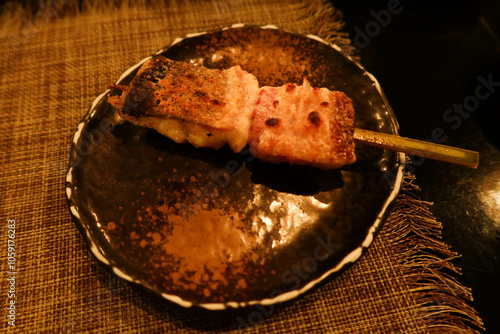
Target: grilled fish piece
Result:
[303, 125]
[188, 103]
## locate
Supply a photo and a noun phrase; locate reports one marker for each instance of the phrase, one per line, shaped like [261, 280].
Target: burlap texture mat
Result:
[53, 62]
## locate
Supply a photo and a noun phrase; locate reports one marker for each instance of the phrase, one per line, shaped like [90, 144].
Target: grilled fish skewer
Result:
[295, 124]
[211, 108]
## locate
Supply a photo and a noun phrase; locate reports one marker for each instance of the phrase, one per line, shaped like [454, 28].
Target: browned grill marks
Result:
[314, 118]
[272, 122]
[218, 102]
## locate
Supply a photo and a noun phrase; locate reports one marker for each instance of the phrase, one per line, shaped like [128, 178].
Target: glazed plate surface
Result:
[218, 229]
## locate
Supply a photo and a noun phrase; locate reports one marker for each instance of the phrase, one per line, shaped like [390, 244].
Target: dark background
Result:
[427, 57]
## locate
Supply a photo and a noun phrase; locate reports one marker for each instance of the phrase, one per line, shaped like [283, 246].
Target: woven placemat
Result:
[53, 62]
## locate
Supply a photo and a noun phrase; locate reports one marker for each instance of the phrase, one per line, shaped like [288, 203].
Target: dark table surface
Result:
[439, 65]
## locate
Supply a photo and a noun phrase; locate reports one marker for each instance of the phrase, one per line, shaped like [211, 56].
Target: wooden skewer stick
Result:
[417, 147]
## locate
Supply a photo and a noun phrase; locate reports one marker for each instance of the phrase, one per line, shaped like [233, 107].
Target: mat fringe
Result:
[427, 263]
[322, 18]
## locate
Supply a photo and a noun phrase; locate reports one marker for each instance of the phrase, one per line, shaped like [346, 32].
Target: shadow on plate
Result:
[283, 177]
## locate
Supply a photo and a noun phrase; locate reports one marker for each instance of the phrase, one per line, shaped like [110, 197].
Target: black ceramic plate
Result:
[218, 229]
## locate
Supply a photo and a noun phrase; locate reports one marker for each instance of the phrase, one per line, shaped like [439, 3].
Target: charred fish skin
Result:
[175, 89]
